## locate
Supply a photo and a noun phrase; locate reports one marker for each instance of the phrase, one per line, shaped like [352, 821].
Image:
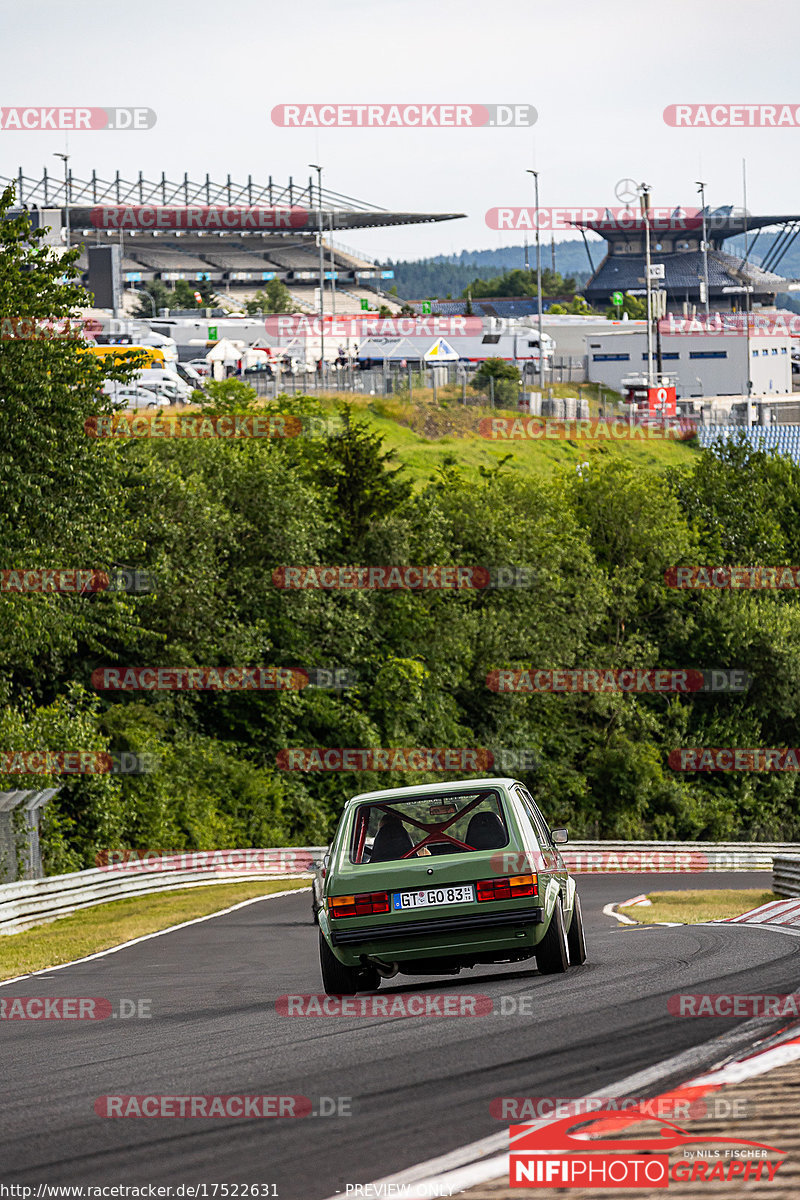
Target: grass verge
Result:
[426, 437]
[689, 908]
[107, 925]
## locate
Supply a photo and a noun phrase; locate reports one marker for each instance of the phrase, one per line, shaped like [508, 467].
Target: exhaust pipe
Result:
[385, 970]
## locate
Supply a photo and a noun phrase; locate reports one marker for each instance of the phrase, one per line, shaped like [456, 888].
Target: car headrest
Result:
[486, 832]
[391, 841]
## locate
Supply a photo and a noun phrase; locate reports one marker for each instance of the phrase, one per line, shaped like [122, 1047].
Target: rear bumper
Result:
[440, 928]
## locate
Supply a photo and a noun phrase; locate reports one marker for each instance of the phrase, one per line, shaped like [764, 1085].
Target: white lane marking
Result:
[147, 936]
[458, 1169]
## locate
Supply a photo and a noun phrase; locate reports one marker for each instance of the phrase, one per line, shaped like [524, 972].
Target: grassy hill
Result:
[426, 437]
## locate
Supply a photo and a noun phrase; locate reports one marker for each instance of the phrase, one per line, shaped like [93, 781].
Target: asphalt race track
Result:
[420, 1086]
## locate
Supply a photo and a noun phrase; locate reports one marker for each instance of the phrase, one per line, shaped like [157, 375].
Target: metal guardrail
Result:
[786, 874]
[34, 901]
[666, 857]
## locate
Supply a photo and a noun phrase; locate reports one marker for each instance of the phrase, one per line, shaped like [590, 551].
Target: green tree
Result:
[183, 294]
[274, 299]
[577, 306]
[519, 282]
[226, 396]
[634, 306]
[506, 378]
[160, 295]
[363, 479]
[56, 488]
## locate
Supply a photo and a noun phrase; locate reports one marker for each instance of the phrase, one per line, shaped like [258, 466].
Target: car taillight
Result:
[358, 906]
[509, 887]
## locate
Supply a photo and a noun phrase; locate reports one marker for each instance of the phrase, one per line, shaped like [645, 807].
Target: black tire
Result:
[339, 980]
[316, 902]
[552, 956]
[576, 942]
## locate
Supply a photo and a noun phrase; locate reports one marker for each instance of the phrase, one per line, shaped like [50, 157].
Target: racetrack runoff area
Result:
[773, 1100]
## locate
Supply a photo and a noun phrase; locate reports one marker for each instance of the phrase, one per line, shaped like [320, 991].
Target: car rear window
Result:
[388, 830]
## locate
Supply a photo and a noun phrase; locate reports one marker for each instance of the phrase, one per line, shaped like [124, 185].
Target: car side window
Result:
[537, 820]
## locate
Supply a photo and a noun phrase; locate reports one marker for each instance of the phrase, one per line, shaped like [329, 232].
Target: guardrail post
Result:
[9, 847]
[34, 804]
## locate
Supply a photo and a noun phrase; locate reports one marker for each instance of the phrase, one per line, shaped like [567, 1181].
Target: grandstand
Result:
[236, 236]
[677, 244]
[783, 438]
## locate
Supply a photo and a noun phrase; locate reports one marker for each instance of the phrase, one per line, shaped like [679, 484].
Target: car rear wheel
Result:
[339, 980]
[576, 943]
[552, 957]
[316, 902]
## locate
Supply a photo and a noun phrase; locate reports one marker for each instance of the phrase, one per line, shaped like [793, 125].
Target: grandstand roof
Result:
[721, 223]
[89, 197]
[727, 275]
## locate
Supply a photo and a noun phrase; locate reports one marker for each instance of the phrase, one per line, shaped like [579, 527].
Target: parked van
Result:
[168, 383]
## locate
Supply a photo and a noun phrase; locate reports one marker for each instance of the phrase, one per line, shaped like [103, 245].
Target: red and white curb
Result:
[776, 913]
[488, 1159]
[783, 915]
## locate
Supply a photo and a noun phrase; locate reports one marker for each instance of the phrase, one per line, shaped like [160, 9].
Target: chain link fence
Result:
[454, 382]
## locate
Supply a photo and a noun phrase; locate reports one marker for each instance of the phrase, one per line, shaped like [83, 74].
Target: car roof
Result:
[457, 785]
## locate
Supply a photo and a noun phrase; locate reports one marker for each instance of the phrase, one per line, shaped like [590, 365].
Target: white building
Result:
[702, 364]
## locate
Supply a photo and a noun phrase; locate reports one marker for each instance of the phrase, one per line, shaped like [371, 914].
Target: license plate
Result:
[433, 897]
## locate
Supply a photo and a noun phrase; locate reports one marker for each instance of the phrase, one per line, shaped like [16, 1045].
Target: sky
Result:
[599, 76]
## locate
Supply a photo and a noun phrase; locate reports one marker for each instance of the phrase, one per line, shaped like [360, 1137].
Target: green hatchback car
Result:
[427, 880]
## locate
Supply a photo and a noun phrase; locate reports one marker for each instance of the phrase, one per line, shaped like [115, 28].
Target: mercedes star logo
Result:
[626, 191]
